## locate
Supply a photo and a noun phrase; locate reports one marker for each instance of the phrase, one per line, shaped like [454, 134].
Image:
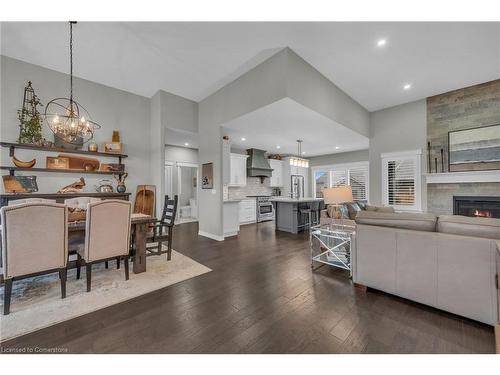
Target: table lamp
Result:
[337, 195]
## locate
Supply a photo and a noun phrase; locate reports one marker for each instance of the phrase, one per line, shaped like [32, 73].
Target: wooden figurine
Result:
[75, 187]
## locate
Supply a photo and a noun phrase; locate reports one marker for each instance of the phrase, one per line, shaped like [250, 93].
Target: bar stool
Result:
[307, 212]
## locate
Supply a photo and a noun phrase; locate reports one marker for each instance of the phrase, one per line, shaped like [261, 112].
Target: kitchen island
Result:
[287, 213]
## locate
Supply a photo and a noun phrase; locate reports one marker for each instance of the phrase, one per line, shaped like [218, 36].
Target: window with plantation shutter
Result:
[353, 174]
[401, 180]
[339, 177]
[358, 179]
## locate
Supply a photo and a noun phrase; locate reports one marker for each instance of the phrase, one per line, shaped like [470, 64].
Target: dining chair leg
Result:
[6, 296]
[159, 247]
[89, 276]
[63, 276]
[169, 244]
[117, 263]
[126, 267]
[78, 266]
[106, 264]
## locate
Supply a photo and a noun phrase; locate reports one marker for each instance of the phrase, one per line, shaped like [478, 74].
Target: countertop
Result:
[295, 200]
[233, 200]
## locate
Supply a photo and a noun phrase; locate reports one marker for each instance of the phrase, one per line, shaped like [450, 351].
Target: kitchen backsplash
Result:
[253, 187]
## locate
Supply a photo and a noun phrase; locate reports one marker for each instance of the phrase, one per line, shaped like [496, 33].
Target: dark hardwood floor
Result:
[262, 298]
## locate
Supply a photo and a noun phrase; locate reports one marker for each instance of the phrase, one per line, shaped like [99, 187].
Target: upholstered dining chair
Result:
[76, 239]
[34, 242]
[107, 235]
[163, 229]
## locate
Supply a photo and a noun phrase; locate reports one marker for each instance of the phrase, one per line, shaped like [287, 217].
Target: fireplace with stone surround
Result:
[477, 206]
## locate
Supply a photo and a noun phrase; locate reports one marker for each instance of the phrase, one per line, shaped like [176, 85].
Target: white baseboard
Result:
[230, 234]
[211, 236]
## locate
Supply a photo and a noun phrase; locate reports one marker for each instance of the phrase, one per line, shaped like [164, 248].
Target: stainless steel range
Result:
[265, 209]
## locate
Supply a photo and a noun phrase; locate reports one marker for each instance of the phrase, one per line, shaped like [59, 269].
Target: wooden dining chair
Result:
[163, 229]
[107, 235]
[34, 242]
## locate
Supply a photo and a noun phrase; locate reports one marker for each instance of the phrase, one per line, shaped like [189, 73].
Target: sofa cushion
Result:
[337, 211]
[352, 209]
[412, 221]
[361, 204]
[469, 226]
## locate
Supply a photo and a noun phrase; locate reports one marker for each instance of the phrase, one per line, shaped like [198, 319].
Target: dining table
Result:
[140, 225]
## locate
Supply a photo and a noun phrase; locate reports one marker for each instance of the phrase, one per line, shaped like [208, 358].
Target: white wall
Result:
[181, 154]
[283, 75]
[399, 128]
[340, 158]
[259, 87]
[309, 87]
[113, 109]
[167, 111]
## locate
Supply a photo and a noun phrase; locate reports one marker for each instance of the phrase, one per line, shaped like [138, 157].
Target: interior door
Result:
[169, 172]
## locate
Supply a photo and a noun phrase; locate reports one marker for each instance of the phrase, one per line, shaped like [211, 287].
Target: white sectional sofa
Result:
[446, 262]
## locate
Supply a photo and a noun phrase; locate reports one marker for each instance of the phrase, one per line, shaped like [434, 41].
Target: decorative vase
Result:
[121, 188]
[92, 147]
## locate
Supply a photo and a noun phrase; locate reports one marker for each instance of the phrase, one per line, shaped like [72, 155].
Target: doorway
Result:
[181, 179]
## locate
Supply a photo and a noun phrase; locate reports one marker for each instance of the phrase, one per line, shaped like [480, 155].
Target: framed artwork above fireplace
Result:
[476, 149]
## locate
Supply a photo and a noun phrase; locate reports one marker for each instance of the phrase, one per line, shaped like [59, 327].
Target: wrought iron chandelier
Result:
[69, 120]
[298, 161]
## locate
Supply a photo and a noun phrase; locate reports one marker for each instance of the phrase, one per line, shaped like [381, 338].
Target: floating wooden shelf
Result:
[13, 169]
[59, 149]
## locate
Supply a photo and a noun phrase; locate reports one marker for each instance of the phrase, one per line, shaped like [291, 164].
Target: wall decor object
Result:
[145, 200]
[120, 179]
[429, 168]
[30, 121]
[23, 164]
[112, 167]
[81, 163]
[75, 187]
[69, 121]
[115, 138]
[104, 186]
[20, 184]
[57, 162]
[113, 147]
[476, 149]
[207, 176]
[92, 147]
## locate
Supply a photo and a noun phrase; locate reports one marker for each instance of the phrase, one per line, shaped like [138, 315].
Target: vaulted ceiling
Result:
[194, 60]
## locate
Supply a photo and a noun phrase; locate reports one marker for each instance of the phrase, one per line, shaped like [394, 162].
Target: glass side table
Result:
[331, 244]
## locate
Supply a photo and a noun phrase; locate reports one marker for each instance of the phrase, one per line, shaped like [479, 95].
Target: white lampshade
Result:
[337, 195]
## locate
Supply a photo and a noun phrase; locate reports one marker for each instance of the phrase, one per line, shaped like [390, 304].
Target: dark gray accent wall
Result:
[466, 108]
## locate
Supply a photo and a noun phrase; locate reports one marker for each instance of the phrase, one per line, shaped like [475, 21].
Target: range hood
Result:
[257, 164]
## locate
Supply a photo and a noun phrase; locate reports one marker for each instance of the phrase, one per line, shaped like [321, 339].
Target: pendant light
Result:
[299, 161]
[69, 120]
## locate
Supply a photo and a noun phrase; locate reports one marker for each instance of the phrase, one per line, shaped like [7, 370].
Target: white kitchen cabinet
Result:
[277, 175]
[248, 211]
[238, 170]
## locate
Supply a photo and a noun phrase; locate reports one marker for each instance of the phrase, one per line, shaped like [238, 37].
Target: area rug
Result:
[36, 302]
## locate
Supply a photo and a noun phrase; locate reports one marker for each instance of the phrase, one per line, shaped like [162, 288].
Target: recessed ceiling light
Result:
[243, 139]
[337, 147]
[186, 144]
[278, 147]
[381, 42]
[303, 152]
[407, 86]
